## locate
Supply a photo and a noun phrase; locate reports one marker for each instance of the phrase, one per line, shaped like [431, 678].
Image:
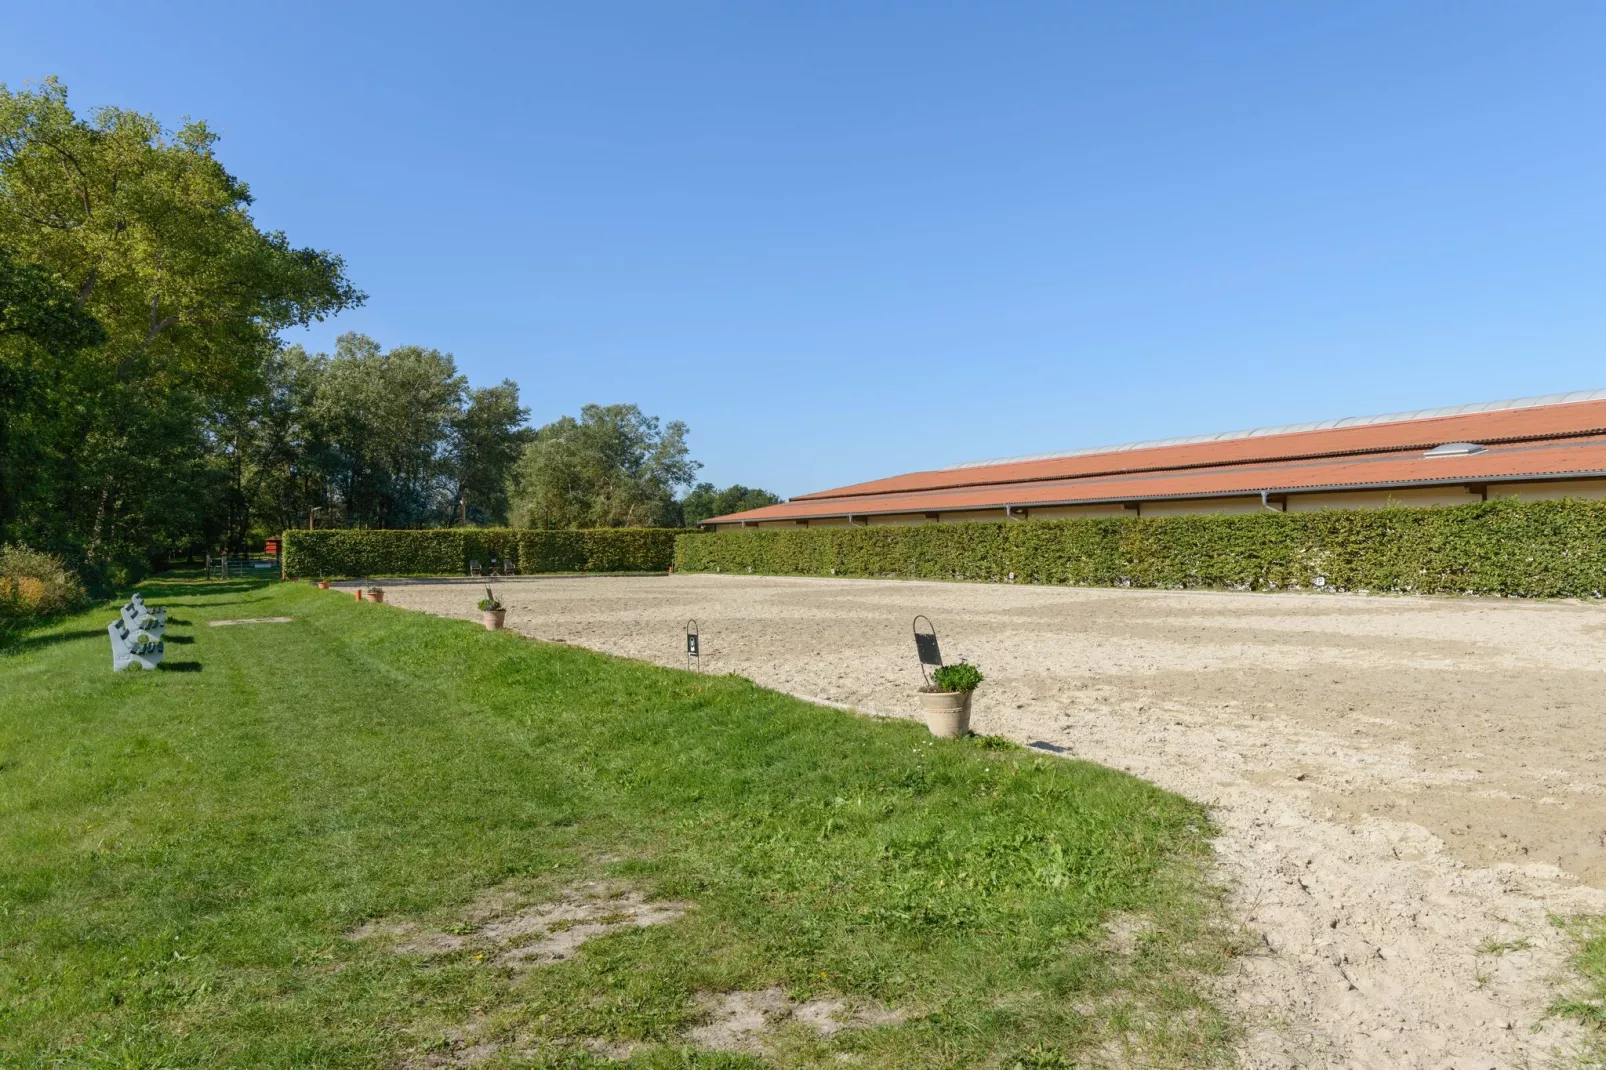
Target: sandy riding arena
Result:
[1408, 789]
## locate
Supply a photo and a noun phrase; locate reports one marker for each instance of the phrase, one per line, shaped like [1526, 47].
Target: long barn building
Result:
[1527, 448]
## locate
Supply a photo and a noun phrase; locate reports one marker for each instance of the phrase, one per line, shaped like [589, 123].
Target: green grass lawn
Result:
[185, 856]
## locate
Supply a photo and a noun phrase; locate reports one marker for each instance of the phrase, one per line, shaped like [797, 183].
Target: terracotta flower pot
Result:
[376, 595]
[947, 712]
[323, 585]
[357, 595]
[493, 619]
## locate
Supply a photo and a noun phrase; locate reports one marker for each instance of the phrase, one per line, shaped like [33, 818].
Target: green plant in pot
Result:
[375, 594]
[492, 612]
[946, 700]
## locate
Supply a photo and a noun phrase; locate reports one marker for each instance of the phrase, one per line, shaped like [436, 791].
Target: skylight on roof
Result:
[1454, 449]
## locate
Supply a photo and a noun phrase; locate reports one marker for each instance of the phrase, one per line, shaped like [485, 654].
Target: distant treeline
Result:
[149, 408]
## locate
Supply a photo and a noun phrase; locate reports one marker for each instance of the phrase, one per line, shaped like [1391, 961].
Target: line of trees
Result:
[149, 407]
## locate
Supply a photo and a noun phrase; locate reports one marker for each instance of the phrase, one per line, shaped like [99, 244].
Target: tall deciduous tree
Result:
[613, 467]
[388, 419]
[155, 240]
[371, 438]
[488, 437]
[43, 333]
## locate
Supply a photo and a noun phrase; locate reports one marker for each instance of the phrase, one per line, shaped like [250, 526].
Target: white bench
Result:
[144, 619]
[131, 648]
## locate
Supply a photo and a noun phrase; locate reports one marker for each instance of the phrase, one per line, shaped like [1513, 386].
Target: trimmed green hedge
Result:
[1528, 549]
[361, 552]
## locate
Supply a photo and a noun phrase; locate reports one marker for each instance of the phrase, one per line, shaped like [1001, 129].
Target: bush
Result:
[1528, 549]
[34, 584]
[448, 552]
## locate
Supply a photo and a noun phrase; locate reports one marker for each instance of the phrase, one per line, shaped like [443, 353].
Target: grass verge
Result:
[187, 855]
[1584, 999]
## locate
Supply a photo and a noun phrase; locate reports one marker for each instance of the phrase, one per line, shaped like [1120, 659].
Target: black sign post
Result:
[692, 652]
[926, 646]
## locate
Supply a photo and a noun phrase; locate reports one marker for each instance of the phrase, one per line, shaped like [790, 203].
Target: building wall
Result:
[1200, 506]
[973, 516]
[1380, 499]
[1064, 512]
[1593, 489]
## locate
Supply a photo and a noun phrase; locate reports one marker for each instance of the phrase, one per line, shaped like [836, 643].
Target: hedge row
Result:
[359, 552]
[1529, 549]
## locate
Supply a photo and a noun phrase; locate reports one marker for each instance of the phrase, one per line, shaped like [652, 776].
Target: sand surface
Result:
[1408, 789]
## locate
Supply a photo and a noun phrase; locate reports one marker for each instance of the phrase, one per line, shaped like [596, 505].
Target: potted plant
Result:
[492, 612]
[323, 583]
[375, 594]
[946, 701]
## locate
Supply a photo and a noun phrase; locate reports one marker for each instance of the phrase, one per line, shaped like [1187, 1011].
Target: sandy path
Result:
[1401, 784]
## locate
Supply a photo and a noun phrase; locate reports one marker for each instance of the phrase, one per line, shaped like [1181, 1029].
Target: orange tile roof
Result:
[1533, 441]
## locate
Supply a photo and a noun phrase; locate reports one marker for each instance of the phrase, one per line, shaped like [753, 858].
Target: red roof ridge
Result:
[1517, 420]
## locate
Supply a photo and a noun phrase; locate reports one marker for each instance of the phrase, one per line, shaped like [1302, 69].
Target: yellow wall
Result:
[1200, 506]
[1361, 499]
[1061, 512]
[1379, 499]
[973, 516]
[1594, 489]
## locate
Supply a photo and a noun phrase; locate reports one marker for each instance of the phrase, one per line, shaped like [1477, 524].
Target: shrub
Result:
[35, 584]
[489, 603]
[448, 552]
[1528, 549]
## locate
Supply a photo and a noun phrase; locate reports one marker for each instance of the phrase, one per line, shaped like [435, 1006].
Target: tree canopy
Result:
[706, 500]
[153, 240]
[613, 467]
[149, 405]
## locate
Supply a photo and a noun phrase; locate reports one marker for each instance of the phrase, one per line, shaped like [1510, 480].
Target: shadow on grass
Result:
[15, 642]
[170, 603]
[191, 588]
[179, 640]
[179, 666]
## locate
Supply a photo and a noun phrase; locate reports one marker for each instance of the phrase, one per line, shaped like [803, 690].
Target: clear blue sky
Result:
[847, 240]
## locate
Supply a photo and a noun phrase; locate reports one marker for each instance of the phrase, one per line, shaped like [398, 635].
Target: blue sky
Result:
[847, 240]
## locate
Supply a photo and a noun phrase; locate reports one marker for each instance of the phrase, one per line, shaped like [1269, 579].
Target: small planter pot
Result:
[376, 595]
[493, 619]
[323, 585]
[947, 712]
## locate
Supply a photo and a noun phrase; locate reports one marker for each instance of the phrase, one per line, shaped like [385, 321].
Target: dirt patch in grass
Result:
[1126, 932]
[747, 1021]
[503, 927]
